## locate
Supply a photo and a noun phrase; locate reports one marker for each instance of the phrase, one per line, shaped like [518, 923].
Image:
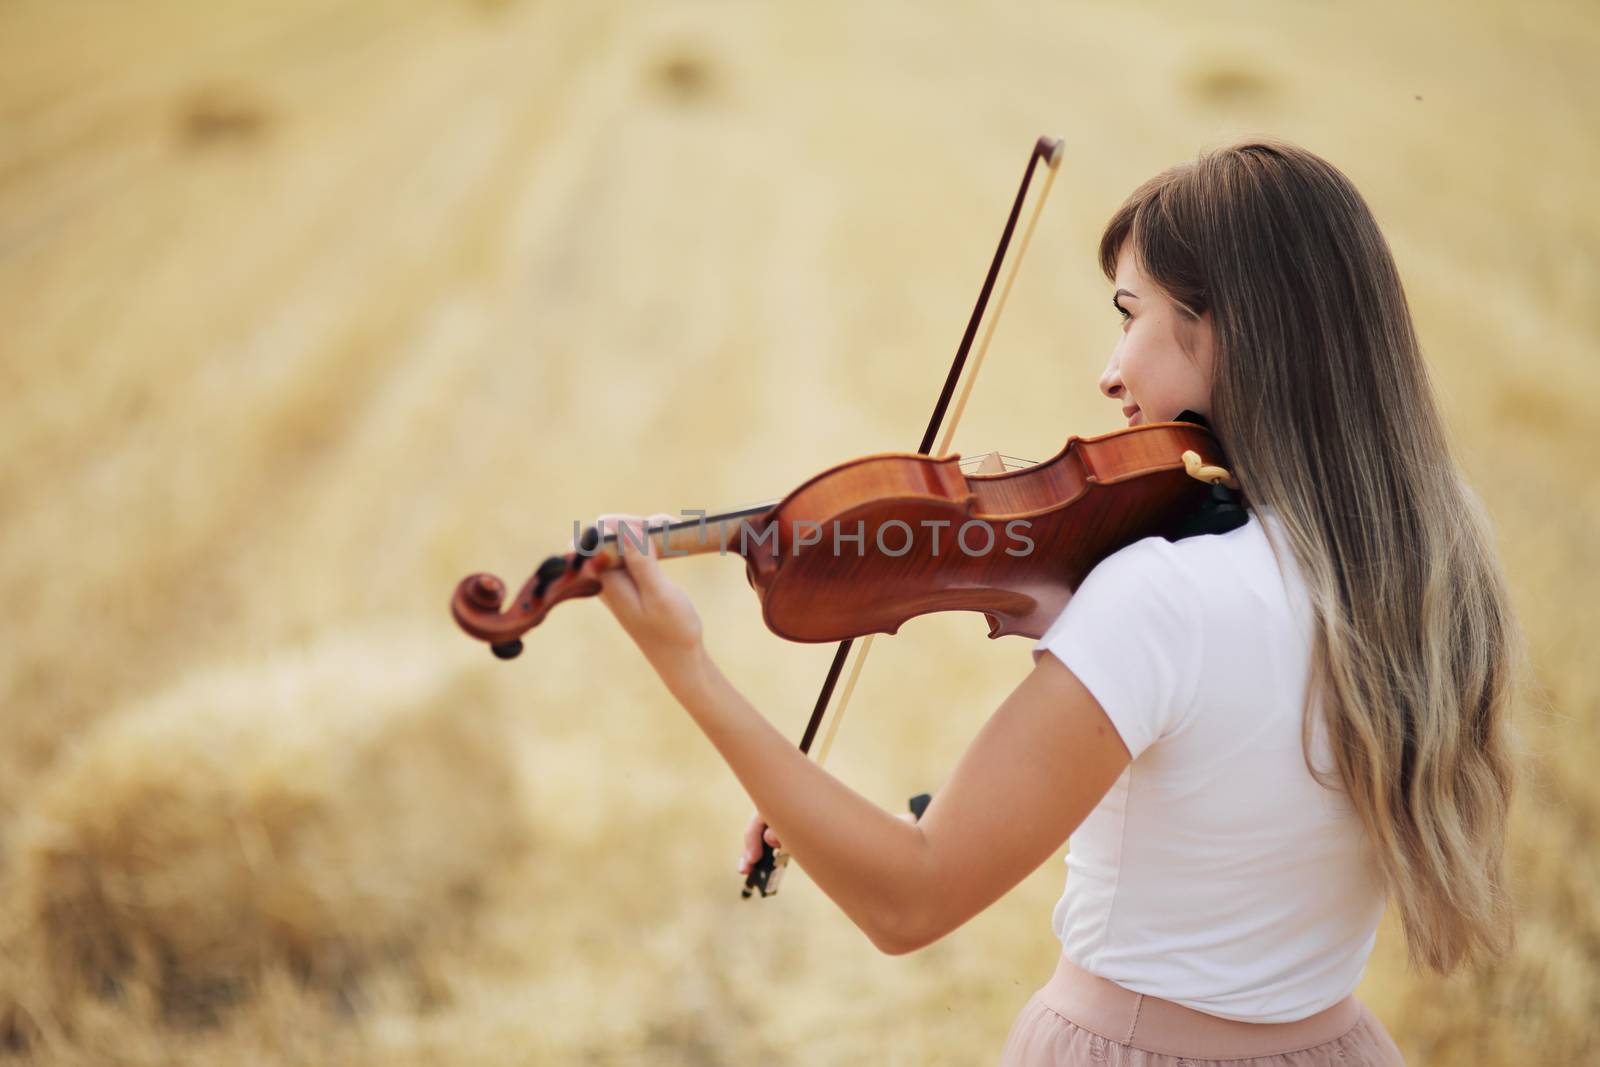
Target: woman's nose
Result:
[1111, 379]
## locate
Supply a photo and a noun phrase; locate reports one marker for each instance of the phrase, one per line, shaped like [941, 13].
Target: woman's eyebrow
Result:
[1123, 292]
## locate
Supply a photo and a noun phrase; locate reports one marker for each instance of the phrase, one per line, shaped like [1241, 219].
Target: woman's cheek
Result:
[1133, 367]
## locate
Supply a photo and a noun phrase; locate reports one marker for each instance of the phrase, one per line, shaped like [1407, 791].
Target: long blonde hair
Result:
[1323, 404]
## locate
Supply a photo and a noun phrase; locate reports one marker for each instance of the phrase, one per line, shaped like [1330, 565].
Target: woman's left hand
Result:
[654, 611]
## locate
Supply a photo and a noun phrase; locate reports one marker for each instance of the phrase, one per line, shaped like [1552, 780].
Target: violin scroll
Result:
[478, 604]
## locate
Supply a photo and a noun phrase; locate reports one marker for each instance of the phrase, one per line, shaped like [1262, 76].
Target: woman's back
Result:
[1217, 873]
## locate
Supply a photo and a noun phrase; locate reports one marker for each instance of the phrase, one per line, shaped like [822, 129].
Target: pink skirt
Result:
[1081, 1018]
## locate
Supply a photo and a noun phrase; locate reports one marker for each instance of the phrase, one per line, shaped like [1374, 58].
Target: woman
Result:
[1253, 739]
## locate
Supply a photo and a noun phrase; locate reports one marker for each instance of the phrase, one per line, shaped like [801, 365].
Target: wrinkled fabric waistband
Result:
[1157, 1025]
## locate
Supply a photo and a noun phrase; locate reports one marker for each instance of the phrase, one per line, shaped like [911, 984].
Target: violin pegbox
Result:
[552, 568]
[477, 603]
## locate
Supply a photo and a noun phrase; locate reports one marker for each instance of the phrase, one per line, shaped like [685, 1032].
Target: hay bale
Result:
[317, 812]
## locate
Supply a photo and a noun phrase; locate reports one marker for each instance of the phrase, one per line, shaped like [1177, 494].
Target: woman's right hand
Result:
[752, 842]
[753, 838]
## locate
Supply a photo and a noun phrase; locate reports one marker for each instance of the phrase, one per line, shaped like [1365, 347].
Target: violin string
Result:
[955, 419]
[745, 511]
[756, 507]
[759, 507]
[1007, 461]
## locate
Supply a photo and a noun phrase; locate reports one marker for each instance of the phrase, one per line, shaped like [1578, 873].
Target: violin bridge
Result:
[994, 463]
[987, 463]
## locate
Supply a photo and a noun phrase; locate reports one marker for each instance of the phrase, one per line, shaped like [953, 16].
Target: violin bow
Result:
[767, 872]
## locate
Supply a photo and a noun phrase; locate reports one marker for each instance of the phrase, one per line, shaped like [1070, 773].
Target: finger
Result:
[609, 523]
[752, 843]
[619, 592]
[771, 838]
[624, 530]
[659, 523]
[644, 565]
[751, 847]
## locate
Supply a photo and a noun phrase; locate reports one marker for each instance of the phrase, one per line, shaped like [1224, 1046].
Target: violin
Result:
[855, 550]
[870, 543]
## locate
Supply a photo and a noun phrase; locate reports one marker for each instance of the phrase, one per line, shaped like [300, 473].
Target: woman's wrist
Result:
[684, 669]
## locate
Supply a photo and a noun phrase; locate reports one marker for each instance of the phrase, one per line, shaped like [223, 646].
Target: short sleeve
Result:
[1131, 634]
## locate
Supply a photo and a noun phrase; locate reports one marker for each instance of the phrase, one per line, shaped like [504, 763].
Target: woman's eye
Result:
[1123, 312]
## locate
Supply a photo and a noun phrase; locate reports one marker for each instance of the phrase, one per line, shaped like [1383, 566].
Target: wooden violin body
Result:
[1012, 546]
[867, 544]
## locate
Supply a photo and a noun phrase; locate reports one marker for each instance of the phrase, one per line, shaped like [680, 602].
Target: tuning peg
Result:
[548, 571]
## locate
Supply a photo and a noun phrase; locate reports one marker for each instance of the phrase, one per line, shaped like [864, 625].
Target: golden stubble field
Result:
[311, 308]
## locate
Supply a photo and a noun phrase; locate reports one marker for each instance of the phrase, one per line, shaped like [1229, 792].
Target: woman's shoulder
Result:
[1240, 564]
[1141, 629]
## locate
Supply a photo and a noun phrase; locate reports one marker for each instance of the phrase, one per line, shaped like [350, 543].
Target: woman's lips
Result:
[1133, 414]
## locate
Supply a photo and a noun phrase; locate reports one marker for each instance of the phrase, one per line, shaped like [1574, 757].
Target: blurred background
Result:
[311, 308]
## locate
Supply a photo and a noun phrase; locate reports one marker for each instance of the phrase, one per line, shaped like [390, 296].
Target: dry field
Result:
[310, 308]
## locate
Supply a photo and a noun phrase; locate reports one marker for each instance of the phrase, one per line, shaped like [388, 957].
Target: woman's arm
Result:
[1033, 773]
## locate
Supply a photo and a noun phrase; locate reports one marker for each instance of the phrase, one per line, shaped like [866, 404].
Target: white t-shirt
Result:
[1216, 873]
